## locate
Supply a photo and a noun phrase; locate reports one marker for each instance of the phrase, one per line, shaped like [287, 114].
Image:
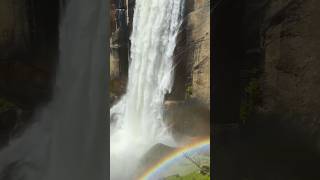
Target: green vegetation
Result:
[6, 105]
[253, 94]
[253, 88]
[244, 112]
[188, 91]
[191, 176]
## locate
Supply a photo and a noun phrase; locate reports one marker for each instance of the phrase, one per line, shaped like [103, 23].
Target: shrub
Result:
[189, 91]
[5, 105]
[253, 98]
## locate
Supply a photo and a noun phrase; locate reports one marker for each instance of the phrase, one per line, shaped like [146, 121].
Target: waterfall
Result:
[139, 113]
[68, 140]
[78, 148]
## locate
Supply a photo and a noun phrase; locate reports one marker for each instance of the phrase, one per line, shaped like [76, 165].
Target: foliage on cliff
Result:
[252, 98]
[5, 105]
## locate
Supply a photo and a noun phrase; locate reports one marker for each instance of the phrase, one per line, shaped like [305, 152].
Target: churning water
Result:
[139, 113]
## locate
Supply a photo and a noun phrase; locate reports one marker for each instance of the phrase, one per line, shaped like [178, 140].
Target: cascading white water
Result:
[78, 110]
[139, 113]
[68, 140]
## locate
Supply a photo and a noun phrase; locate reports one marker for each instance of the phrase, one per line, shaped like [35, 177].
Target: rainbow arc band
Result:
[171, 156]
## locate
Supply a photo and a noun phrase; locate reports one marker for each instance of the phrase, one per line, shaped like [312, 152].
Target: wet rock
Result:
[155, 154]
[192, 54]
[187, 118]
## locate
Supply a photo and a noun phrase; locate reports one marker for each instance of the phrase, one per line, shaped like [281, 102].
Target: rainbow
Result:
[198, 143]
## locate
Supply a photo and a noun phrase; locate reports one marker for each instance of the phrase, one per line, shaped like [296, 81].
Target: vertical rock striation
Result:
[198, 38]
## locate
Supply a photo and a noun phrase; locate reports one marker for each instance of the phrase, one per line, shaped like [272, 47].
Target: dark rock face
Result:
[227, 55]
[27, 72]
[28, 57]
[27, 84]
[291, 66]
[280, 64]
[279, 80]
